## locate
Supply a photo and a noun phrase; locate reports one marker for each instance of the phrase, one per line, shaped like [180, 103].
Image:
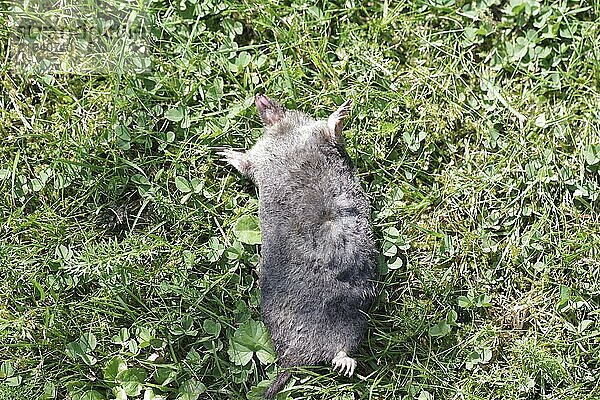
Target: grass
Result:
[128, 252]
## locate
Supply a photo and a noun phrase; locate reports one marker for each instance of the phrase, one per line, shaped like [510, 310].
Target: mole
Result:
[318, 259]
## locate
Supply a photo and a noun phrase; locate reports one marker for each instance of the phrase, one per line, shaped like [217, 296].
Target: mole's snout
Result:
[270, 111]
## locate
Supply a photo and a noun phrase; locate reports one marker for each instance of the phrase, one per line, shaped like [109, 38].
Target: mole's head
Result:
[281, 122]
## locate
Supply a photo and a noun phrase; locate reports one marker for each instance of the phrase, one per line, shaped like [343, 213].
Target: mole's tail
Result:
[278, 384]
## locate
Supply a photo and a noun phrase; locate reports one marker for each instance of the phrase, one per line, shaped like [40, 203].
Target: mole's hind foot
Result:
[344, 363]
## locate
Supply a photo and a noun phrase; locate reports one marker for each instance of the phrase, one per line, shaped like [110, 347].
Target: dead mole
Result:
[318, 259]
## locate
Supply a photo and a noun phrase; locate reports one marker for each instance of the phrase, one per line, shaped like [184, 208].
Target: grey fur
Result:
[318, 259]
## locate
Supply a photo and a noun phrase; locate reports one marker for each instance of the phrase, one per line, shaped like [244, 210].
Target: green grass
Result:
[125, 245]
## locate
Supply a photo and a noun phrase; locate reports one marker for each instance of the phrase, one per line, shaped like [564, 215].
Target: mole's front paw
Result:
[237, 159]
[344, 363]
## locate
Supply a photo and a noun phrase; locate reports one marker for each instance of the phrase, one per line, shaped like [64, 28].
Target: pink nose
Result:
[263, 101]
